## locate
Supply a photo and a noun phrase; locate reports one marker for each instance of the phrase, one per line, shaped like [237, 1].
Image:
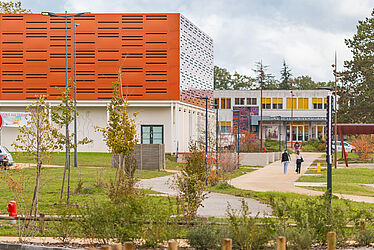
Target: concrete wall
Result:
[260, 159]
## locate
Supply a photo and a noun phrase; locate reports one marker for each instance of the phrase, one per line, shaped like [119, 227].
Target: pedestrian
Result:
[286, 158]
[296, 145]
[299, 160]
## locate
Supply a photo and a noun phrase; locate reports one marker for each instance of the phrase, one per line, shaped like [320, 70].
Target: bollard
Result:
[117, 247]
[106, 247]
[41, 223]
[226, 244]
[172, 245]
[129, 246]
[318, 167]
[281, 243]
[331, 241]
[363, 225]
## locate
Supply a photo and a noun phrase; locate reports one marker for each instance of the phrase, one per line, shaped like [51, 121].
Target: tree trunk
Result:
[63, 182]
[68, 193]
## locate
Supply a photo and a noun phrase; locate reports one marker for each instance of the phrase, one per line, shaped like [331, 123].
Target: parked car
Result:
[6, 158]
[348, 147]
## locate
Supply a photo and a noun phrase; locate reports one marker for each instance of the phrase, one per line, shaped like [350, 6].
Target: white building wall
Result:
[181, 122]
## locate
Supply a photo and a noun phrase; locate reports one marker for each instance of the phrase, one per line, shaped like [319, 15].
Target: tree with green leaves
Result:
[241, 82]
[63, 116]
[285, 80]
[12, 8]
[268, 80]
[222, 78]
[357, 92]
[37, 139]
[119, 136]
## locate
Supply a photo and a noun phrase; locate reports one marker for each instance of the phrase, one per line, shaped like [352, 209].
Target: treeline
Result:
[223, 79]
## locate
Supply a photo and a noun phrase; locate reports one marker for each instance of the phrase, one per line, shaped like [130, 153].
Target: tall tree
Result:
[285, 82]
[222, 78]
[268, 79]
[241, 82]
[357, 92]
[12, 8]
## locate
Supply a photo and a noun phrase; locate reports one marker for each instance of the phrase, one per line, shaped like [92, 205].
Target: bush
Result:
[244, 231]
[135, 217]
[364, 238]
[315, 215]
[203, 236]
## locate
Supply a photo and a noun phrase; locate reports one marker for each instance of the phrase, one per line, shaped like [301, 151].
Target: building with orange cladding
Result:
[164, 62]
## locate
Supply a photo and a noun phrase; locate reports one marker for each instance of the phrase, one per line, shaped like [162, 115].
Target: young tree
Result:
[63, 116]
[38, 139]
[12, 8]
[356, 94]
[119, 136]
[285, 82]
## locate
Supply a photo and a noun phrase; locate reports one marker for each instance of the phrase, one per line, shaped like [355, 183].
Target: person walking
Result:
[286, 158]
[299, 160]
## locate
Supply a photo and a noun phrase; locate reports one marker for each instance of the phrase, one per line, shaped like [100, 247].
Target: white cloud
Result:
[304, 33]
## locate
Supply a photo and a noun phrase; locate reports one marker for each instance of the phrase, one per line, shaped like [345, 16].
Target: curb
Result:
[11, 246]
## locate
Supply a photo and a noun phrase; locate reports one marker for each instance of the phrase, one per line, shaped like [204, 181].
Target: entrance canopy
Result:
[353, 129]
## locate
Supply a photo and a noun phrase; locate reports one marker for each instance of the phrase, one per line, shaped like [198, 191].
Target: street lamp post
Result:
[329, 140]
[291, 127]
[335, 113]
[261, 126]
[75, 99]
[217, 131]
[206, 136]
[279, 131]
[238, 140]
[66, 17]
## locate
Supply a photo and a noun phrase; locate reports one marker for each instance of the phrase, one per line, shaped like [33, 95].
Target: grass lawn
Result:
[265, 196]
[345, 181]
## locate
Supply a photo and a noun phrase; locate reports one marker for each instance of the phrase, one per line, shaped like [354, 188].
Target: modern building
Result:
[164, 63]
[302, 110]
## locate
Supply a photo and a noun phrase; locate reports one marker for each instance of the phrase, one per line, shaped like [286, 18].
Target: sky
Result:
[304, 33]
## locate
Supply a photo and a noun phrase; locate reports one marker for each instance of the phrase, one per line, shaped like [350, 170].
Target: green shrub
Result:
[67, 227]
[134, 217]
[315, 215]
[364, 238]
[203, 236]
[244, 230]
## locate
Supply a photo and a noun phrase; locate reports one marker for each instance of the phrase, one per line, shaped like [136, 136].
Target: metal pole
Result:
[217, 127]
[75, 100]
[206, 139]
[335, 117]
[261, 117]
[238, 140]
[329, 145]
[291, 128]
[279, 135]
[66, 86]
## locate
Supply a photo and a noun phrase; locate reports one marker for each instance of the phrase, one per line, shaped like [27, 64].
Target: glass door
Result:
[152, 134]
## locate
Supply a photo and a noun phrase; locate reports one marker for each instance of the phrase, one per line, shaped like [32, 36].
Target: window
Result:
[251, 101]
[289, 101]
[216, 103]
[225, 103]
[303, 103]
[239, 101]
[225, 127]
[152, 134]
[277, 103]
[317, 103]
[266, 103]
[325, 104]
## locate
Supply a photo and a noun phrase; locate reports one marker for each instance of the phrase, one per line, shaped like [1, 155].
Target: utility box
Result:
[148, 157]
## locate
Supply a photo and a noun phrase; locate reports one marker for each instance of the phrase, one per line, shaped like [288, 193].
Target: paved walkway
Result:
[215, 205]
[271, 178]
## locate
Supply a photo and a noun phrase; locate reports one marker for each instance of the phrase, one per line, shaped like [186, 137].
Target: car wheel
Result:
[353, 151]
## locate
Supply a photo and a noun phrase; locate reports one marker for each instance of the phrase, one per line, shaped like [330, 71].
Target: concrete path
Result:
[215, 205]
[271, 178]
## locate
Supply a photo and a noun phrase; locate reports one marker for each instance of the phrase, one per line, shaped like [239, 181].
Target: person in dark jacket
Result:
[286, 158]
[299, 160]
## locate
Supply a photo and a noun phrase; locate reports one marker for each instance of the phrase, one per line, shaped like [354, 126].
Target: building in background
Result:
[306, 112]
[164, 61]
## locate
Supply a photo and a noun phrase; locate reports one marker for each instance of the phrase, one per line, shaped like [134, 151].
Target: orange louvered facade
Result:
[144, 47]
